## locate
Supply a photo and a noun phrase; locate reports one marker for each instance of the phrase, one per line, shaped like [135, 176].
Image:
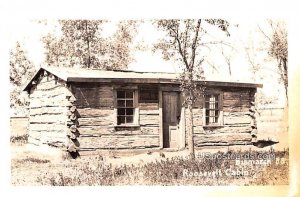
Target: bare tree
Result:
[228, 57]
[184, 44]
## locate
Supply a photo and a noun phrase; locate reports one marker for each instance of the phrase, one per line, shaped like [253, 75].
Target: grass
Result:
[19, 139]
[164, 171]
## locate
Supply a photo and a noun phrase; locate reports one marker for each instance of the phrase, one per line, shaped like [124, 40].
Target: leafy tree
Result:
[81, 44]
[277, 48]
[21, 70]
[184, 43]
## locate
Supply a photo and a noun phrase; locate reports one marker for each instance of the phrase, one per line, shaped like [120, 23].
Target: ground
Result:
[148, 168]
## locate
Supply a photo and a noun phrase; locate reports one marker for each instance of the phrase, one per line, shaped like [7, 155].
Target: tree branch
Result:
[194, 45]
[176, 36]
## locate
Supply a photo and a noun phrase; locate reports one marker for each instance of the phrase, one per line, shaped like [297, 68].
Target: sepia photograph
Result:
[149, 102]
[128, 97]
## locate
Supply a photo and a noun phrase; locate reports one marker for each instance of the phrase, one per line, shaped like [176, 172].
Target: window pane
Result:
[217, 113]
[121, 120]
[129, 94]
[129, 111]
[207, 120]
[129, 119]
[212, 113]
[206, 112]
[212, 119]
[211, 105]
[121, 103]
[121, 111]
[129, 103]
[121, 94]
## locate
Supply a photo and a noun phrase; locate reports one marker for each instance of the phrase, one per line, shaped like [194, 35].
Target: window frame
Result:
[220, 121]
[135, 122]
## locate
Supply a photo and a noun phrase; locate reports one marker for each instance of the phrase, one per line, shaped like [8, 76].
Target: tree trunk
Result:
[88, 45]
[285, 80]
[190, 131]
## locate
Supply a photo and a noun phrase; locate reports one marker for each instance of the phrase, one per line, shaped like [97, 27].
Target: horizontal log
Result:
[84, 87]
[54, 135]
[149, 112]
[37, 103]
[149, 119]
[110, 130]
[35, 135]
[47, 110]
[241, 95]
[148, 106]
[224, 129]
[83, 93]
[229, 120]
[119, 142]
[59, 119]
[230, 103]
[95, 104]
[104, 121]
[236, 114]
[150, 130]
[32, 140]
[223, 138]
[47, 127]
[94, 112]
[48, 93]
[241, 108]
[49, 97]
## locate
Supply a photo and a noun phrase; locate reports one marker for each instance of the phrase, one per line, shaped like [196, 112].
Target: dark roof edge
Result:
[161, 81]
[139, 80]
[28, 84]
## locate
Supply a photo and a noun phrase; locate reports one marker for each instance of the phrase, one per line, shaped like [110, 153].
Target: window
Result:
[125, 107]
[148, 94]
[212, 109]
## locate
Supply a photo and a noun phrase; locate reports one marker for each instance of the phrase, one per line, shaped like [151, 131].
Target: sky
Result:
[30, 32]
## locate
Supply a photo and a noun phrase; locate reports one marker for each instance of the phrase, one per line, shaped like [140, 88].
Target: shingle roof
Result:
[97, 75]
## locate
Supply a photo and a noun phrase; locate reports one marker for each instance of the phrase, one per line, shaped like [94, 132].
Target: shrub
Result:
[19, 139]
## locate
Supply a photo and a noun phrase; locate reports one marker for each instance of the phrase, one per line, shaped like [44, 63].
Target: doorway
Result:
[171, 114]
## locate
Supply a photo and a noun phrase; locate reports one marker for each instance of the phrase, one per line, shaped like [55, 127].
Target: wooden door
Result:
[170, 120]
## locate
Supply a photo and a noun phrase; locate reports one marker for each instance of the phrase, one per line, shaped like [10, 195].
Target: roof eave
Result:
[161, 81]
[37, 73]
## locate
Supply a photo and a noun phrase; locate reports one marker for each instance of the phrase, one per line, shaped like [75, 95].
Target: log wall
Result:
[239, 123]
[97, 121]
[48, 111]
[83, 116]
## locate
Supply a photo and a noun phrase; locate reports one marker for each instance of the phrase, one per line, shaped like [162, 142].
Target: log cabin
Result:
[77, 109]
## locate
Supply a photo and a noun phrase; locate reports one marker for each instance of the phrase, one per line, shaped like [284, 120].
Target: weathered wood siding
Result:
[97, 120]
[239, 124]
[48, 111]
